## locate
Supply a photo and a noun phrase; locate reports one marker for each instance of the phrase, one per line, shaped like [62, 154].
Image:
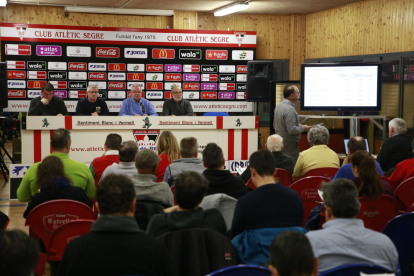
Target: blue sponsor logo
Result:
[236, 164]
[136, 52]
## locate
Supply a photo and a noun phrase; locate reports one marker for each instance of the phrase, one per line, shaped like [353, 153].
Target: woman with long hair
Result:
[168, 150]
[367, 179]
[53, 184]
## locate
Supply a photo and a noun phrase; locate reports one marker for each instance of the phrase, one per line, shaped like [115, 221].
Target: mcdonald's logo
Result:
[163, 53]
[136, 76]
[154, 86]
[35, 84]
[116, 67]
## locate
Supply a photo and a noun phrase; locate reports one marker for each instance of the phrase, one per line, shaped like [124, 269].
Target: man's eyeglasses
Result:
[93, 92]
[175, 93]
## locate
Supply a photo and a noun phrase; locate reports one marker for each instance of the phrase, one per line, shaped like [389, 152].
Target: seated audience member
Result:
[190, 189]
[18, 253]
[188, 161]
[136, 105]
[126, 166]
[220, 180]
[222, 202]
[354, 144]
[91, 105]
[367, 179]
[177, 106]
[403, 170]
[168, 151]
[274, 144]
[397, 148]
[53, 185]
[78, 172]
[116, 245]
[266, 206]
[343, 239]
[319, 155]
[146, 162]
[145, 207]
[110, 156]
[291, 255]
[3, 220]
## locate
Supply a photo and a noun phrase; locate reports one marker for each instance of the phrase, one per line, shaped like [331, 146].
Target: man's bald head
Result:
[274, 143]
[356, 143]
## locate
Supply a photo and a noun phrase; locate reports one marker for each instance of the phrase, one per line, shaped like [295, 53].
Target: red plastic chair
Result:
[377, 212]
[284, 177]
[65, 234]
[44, 219]
[405, 194]
[250, 184]
[307, 188]
[325, 172]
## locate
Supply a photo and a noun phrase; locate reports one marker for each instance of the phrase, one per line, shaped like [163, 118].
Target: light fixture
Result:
[239, 6]
[3, 3]
[118, 11]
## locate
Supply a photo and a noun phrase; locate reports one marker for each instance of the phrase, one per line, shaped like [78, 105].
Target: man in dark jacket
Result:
[220, 180]
[116, 245]
[47, 104]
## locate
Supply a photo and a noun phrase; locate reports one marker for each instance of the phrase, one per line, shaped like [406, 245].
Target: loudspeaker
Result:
[3, 85]
[259, 80]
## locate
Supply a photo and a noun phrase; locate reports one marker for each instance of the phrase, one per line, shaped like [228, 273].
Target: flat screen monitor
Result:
[341, 87]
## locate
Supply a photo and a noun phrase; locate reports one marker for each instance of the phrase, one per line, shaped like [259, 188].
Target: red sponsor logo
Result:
[36, 74]
[167, 95]
[163, 53]
[59, 84]
[54, 221]
[97, 76]
[78, 66]
[16, 74]
[154, 85]
[107, 52]
[35, 84]
[191, 86]
[116, 85]
[23, 50]
[16, 64]
[229, 86]
[241, 68]
[209, 77]
[154, 68]
[208, 95]
[173, 77]
[191, 68]
[82, 94]
[16, 93]
[216, 54]
[136, 76]
[116, 67]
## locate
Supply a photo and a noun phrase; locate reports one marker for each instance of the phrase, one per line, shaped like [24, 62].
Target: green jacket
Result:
[75, 170]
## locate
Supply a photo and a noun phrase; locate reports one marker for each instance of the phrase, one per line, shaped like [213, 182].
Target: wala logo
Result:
[59, 84]
[56, 75]
[190, 54]
[16, 74]
[208, 77]
[191, 77]
[49, 50]
[241, 86]
[107, 52]
[226, 86]
[173, 67]
[78, 94]
[18, 50]
[81, 66]
[116, 85]
[116, 67]
[16, 93]
[173, 77]
[208, 86]
[154, 86]
[191, 86]
[208, 95]
[241, 69]
[163, 53]
[97, 76]
[35, 84]
[209, 68]
[136, 76]
[77, 84]
[191, 68]
[216, 54]
[15, 64]
[36, 65]
[154, 67]
[226, 78]
[36, 75]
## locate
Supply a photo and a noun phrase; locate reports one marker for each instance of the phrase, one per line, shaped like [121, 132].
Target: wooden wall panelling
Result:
[186, 20]
[297, 45]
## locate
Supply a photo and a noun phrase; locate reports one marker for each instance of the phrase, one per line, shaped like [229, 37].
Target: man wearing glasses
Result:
[92, 106]
[136, 105]
[177, 106]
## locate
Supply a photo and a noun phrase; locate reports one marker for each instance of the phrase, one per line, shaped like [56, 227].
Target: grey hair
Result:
[274, 143]
[91, 86]
[136, 85]
[399, 125]
[318, 135]
[176, 87]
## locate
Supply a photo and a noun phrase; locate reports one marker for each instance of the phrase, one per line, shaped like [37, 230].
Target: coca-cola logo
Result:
[116, 85]
[97, 76]
[16, 93]
[107, 52]
[77, 65]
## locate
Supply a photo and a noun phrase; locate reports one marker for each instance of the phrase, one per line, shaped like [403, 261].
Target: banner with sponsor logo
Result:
[208, 65]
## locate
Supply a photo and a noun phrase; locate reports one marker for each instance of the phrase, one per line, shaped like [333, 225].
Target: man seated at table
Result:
[47, 104]
[177, 106]
[136, 105]
[92, 106]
